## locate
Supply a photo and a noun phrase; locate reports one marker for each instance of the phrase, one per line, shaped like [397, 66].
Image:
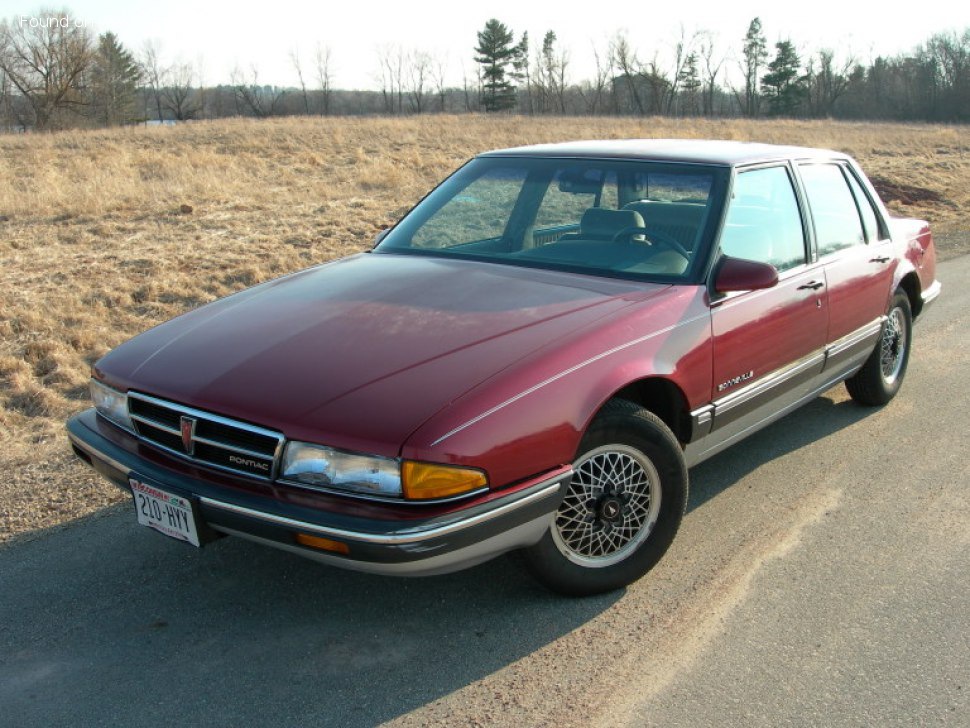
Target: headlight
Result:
[111, 403]
[325, 467]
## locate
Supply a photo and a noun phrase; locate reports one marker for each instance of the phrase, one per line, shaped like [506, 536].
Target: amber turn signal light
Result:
[425, 481]
[324, 544]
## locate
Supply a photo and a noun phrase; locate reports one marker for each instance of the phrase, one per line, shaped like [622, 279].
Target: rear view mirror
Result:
[737, 274]
[580, 181]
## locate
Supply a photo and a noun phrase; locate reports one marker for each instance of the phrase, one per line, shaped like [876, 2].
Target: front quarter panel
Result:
[531, 417]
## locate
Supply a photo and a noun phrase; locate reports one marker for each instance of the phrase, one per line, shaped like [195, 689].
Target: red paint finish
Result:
[359, 353]
[761, 331]
[531, 416]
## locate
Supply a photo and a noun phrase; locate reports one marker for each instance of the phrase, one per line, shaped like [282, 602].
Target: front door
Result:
[769, 344]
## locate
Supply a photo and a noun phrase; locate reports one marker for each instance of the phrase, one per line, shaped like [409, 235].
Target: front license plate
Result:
[165, 512]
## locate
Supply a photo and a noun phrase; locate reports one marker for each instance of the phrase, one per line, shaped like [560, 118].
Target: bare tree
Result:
[668, 85]
[419, 72]
[260, 101]
[46, 63]
[153, 73]
[6, 101]
[324, 69]
[550, 79]
[298, 65]
[390, 60]
[177, 93]
[624, 58]
[593, 91]
[711, 63]
[439, 68]
[827, 82]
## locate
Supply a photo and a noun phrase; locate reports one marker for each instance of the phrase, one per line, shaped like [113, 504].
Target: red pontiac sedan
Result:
[532, 358]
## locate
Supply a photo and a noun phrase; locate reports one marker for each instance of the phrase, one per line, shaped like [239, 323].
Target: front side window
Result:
[834, 211]
[630, 219]
[763, 222]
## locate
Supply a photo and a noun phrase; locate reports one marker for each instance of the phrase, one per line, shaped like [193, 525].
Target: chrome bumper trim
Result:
[91, 452]
[406, 536]
[931, 293]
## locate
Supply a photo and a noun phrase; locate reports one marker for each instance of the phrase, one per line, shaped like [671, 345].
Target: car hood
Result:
[360, 352]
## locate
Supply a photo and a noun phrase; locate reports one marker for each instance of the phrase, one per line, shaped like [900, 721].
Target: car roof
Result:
[695, 151]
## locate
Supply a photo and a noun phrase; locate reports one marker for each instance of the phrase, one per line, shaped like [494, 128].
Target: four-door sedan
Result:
[530, 359]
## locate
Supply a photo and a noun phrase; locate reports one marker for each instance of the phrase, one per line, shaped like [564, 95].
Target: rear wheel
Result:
[882, 374]
[622, 508]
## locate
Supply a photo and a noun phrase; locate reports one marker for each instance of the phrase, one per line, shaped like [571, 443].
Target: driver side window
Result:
[763, 222]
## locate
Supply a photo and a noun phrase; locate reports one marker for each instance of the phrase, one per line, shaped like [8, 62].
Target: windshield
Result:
[641, 220]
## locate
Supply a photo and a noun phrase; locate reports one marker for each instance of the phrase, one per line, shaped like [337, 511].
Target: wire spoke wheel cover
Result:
[610, 507]
[892, 346]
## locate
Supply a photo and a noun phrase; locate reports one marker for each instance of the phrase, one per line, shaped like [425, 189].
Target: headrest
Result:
[600, 222]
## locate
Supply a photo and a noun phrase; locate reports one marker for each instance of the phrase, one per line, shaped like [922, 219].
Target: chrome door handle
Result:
[813, 285]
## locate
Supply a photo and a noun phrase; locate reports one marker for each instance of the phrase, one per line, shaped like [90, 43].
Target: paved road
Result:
[820, 578]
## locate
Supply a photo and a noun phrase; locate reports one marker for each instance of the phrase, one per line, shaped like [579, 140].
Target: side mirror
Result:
[380, 236]
[736, 274]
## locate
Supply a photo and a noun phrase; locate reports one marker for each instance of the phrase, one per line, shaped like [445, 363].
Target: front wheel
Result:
[882, 374]
[622, 508]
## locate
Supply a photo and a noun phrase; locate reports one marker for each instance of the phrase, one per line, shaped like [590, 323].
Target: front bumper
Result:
[416, 546]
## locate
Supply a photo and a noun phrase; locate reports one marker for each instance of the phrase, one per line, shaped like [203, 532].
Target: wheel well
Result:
[910, 284]
[664, 399]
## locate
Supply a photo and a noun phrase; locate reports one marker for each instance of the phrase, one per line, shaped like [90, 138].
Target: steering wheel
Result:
[653, 236]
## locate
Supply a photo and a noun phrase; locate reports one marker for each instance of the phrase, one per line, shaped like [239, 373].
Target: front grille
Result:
[204, 437]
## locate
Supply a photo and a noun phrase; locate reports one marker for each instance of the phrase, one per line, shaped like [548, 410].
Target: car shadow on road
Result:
[818, 419]
[105, 622]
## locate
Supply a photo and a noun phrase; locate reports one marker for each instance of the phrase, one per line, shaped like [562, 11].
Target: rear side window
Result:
[870, 223]
[834, 212]
[763, 222]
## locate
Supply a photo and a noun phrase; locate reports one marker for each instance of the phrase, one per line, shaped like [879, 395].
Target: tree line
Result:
[55, 74]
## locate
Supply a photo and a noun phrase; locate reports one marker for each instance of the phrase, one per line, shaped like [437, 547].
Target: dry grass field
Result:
[105, 233]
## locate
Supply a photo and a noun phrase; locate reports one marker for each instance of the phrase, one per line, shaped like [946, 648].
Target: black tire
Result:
[882, 374]
[604, 538]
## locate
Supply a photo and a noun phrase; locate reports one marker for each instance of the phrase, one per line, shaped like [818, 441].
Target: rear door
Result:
[857, 254]
[767, 344]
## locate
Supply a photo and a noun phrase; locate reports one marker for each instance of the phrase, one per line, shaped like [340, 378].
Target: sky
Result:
[220, 35]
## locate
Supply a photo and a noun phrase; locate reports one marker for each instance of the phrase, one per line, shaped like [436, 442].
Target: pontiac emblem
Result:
[187, 426]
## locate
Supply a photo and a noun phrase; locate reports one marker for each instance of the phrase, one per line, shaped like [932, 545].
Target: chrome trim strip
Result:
[157, 425]
[564, 373]
[519, 536]
[870, 330]
[406, 536]
[769, 381]
[931, 293]
[719, 445]
[701, 420]
[97, 454]
[192, 412]
[397, 500]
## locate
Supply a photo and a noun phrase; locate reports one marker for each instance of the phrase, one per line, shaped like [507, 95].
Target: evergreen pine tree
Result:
[784, 88]
[496, 52]
[755, 51]
[114, 80]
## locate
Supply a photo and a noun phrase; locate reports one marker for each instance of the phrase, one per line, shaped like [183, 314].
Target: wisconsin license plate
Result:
[165, 512]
